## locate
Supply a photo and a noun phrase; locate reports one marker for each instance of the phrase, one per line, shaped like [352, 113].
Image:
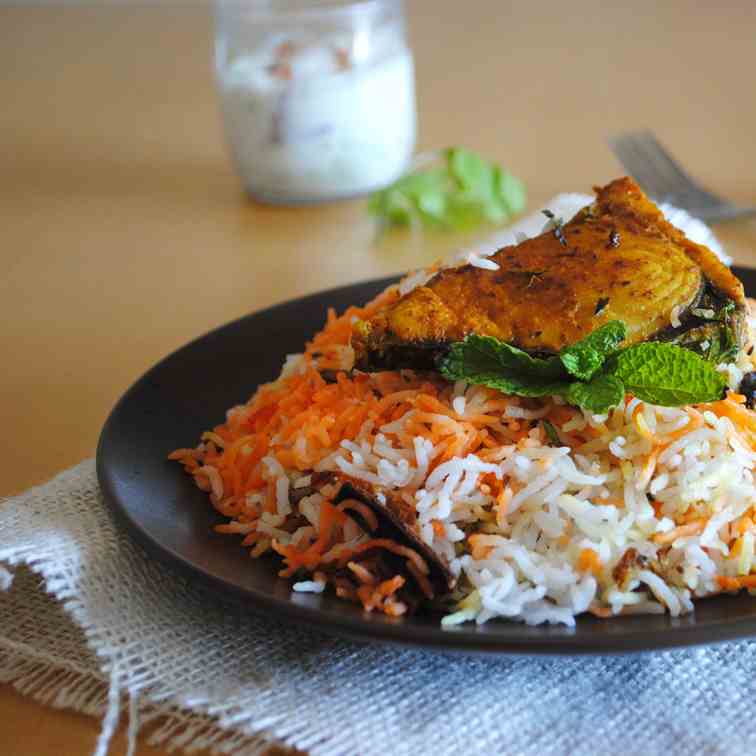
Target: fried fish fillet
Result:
[617, 259]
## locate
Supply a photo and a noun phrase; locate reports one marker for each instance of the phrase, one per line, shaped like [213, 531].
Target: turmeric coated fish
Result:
[617, 259]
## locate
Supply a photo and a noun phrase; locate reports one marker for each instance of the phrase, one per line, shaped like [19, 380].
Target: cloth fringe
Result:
[166, 726]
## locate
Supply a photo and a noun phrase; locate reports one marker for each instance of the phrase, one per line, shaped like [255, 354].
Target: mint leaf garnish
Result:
[512, 384]
[656, 372]
[584, 358]
[597, 395]
[510, 189]
[462, 192]
[420, 195]
[486, 354]
[489, 362]
[666, 374]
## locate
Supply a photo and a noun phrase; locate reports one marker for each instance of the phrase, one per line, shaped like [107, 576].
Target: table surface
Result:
[126, 234]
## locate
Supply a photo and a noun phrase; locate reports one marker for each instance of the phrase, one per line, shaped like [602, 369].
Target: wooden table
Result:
[125, 233]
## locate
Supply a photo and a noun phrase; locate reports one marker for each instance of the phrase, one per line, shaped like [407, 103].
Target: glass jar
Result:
[318, 96]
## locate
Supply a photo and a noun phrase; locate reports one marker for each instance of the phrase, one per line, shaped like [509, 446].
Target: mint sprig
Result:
[462, 192]
[585, 358]
[594, 373]
[487, 361]
[667, 374]
[597, 395]
[486, 354]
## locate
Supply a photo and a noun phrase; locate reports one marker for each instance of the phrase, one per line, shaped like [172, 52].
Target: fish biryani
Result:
[563, 426]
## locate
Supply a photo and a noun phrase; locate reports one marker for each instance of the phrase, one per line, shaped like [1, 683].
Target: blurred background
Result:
[122, 213]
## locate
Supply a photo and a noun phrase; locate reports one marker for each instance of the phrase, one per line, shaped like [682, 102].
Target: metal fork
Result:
[662, 177]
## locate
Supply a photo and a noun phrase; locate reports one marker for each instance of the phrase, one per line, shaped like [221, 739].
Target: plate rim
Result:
[357, 627]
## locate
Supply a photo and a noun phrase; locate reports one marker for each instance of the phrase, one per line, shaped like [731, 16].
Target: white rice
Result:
[555, 509]
[674, 317]
[309, 586]
[481, 262]
[415, 279]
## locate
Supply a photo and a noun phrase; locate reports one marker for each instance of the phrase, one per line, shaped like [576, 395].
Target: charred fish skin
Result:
[617, 259]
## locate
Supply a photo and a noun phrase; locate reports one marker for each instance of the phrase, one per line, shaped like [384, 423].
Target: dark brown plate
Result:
[189, 392]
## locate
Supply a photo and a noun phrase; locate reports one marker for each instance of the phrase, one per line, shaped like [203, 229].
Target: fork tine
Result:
[622, 148]
[642, 155]
[666, 184]
[662, 175]
[636, 163]
[675, 180]
[659, 181]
